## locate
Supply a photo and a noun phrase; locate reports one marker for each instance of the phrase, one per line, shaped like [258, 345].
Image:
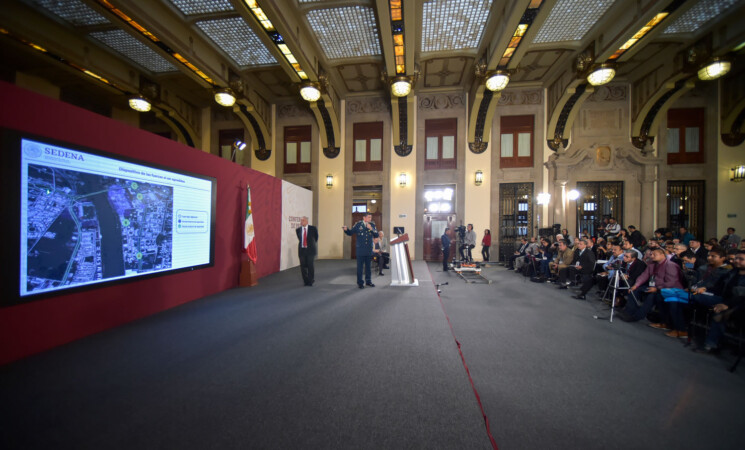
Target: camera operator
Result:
[609, 268]
[469, 242]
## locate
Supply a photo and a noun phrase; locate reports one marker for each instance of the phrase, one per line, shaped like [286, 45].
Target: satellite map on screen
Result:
[83, 227]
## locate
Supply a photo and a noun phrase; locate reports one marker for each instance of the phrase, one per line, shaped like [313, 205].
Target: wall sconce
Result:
[543, 198]
[603, 74]
[225, 97]
[738, 174]
[329, 181]
[497, 81]
[310, 91]
[573, 194]
[479, 178]
[718, 67]
[139, 103]
[403, 179]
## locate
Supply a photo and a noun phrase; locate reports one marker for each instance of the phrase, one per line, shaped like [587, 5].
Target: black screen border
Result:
[10, 245]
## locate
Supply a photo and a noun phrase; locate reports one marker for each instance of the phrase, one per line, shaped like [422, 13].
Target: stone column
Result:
[648, 200]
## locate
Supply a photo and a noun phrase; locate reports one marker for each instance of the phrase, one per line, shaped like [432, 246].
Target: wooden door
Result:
[432, 227]
[377, 219]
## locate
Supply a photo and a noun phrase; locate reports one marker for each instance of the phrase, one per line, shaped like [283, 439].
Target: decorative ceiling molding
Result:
[442, 101]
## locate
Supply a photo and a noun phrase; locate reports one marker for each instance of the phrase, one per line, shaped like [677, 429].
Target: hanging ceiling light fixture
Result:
[718, 67]
[497, 81]
[603, 74]
[225, 97]
[310, 91]
[139, 103]
[401, 86]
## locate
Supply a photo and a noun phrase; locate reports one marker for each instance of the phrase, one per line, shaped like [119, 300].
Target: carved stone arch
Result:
[257, 129]
[644, 126]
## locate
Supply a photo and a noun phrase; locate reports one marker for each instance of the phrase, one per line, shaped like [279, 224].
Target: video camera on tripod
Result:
[461, 230]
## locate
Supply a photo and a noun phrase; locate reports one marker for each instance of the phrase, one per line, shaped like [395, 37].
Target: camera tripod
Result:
[615, 284]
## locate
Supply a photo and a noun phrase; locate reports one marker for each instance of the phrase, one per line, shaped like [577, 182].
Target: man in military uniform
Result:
[365, 231]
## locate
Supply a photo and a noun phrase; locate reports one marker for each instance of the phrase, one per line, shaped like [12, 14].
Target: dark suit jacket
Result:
[586, 260]
[636, 269]
[312, 239]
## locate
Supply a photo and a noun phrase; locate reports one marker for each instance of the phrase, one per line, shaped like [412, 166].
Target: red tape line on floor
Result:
[465, 366]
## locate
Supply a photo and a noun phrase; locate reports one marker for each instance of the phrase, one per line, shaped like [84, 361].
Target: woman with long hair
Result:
[485, 245]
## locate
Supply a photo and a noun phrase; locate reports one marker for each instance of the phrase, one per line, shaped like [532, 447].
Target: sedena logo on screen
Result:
[88, 218]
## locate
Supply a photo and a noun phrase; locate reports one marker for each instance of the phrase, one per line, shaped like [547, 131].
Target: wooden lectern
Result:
[402, 274]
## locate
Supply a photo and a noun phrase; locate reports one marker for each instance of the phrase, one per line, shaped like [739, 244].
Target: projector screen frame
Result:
[10, 145]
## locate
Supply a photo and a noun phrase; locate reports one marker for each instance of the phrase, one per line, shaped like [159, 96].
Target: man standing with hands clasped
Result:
[365, 231]
[307, 247]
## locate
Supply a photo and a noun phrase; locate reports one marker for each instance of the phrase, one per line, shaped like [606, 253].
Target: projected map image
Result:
[84, 227]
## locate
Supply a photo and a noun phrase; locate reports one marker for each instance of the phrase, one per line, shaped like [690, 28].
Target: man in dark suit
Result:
[584, 265]
[307, 247]
[365, 231]
[445, 240]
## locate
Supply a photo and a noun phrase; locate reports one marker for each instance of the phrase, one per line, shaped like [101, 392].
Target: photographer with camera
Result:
[468, 242]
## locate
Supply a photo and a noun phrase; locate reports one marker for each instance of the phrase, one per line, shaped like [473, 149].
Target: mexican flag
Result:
[249, 244]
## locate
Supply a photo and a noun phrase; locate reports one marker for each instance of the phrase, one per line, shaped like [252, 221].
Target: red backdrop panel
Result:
[39, 325]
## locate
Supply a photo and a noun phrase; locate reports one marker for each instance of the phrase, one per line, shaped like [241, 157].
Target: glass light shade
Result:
[738, 174]
[479, 178]
[573, 194]
[329, 181]
[403, 179]
[139, 104]
[714, 70]
[225, 98]
[543, 198]
[401, 87]
[310, 92]
[602, 75]
[498, 81]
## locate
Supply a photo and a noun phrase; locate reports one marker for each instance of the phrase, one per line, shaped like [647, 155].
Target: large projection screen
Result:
[87, 217]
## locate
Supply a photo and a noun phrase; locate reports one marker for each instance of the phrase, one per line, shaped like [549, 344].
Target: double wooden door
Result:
[433, 225]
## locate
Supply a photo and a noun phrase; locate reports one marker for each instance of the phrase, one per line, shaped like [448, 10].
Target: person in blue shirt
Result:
[685, 236]
[365, 231]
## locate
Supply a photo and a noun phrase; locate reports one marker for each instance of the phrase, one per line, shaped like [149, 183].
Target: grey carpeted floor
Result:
[284, 366]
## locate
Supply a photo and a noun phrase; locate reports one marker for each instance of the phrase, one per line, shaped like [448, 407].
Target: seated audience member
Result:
[695, 247]
[568, 237]
[564, 258]
[669, 249]
[731, 252]
[545, 255]
[584, 234]
[730, 240]
[627, 245]
[601, 249]
[678, 251]
[384, 249]
[632, 268]
[726, 296]
[661, 274]
[684, 235]
[715, 268]
[530, 252]
[519, 253]
[612, 229]
[609, 268]
[584, 266]
[711, 243]
[651, 245]
[377, 256]
[637, 239]
[622, 234]
[742, 244]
